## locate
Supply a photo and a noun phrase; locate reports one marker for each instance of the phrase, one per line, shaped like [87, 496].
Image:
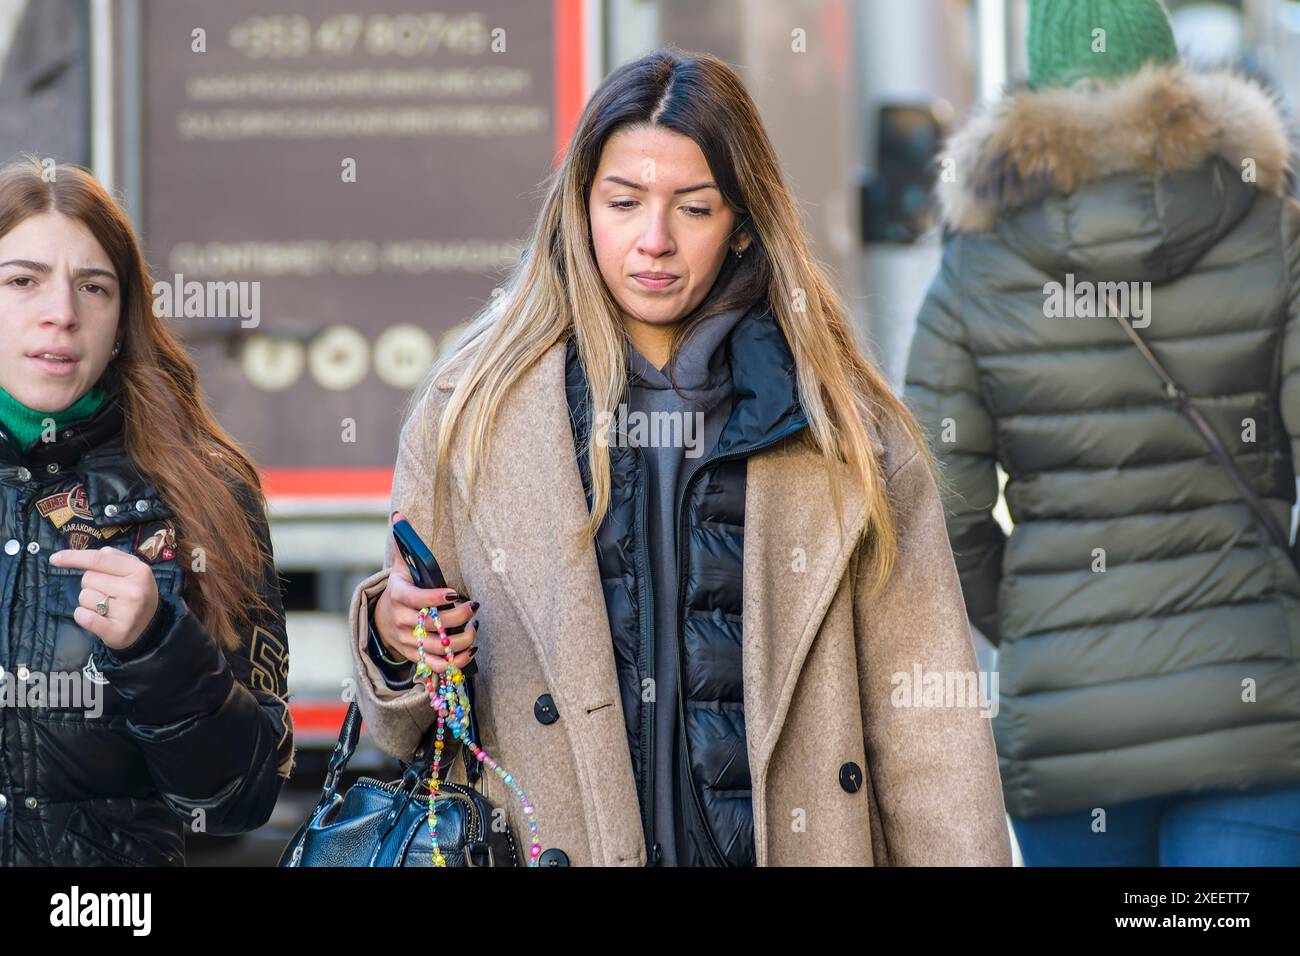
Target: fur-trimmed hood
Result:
[1159, 120]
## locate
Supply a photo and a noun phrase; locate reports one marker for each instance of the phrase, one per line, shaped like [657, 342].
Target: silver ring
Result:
[102, 607]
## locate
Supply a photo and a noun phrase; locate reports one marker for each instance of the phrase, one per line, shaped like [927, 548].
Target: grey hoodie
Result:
[703, 377]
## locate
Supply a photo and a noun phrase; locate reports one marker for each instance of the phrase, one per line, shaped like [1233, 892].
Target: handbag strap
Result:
[1183, 402]
[350, 735]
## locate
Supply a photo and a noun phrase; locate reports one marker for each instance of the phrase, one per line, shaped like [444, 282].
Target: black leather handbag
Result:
[384, 824]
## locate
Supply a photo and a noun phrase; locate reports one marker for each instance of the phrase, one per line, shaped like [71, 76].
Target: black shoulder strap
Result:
[1183, 402]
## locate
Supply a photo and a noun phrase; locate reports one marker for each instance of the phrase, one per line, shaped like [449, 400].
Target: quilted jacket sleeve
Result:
[1291, 343]
[214, 727]
[943, 391]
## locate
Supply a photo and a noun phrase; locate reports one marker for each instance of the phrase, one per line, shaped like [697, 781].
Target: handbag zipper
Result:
[453, 790]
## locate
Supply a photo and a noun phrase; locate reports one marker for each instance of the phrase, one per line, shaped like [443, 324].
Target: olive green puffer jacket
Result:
[1148, 630]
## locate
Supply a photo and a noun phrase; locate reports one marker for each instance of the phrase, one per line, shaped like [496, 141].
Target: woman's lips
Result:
[55, 366]
[661, 283]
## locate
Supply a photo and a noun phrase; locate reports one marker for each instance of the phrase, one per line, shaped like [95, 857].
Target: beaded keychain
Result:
[451, 701]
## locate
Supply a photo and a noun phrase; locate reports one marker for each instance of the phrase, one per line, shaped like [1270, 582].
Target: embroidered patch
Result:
[270, 663]
[159, 545]
[64, 507]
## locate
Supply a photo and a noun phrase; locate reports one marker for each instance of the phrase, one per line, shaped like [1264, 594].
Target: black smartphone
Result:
[421, 562]
[419, 559]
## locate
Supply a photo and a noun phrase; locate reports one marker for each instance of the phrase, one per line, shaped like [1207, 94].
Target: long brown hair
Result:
[170, 435]
[556, 289]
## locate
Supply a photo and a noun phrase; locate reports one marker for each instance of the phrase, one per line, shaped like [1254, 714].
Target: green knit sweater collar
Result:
[25, 425]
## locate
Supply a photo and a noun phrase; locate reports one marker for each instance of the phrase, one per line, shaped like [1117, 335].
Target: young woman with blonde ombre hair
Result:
[701, 532]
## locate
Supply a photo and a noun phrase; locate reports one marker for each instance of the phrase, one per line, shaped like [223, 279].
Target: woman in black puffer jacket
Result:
[143, 658]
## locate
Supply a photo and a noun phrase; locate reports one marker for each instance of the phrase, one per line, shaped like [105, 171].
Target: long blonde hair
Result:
[556, 289]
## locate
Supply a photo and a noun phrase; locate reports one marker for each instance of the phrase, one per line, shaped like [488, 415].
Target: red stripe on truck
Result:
[350, 482]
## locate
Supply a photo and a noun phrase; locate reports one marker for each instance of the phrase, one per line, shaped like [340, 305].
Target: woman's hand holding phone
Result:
[397, 611]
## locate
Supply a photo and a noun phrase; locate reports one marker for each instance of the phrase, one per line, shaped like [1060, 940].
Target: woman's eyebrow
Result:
[676, 192]
[27, 264]
[44, 268]
[94, 271]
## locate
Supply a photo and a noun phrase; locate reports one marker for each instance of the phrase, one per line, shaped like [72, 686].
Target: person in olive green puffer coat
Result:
[1148, 631]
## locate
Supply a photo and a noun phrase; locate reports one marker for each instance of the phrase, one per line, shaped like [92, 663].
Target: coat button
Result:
[30, 803]
[553, 857]
[142, 506]
[544, 710]
[23, 673]
[33, 547]
[24, 474]
[4, 802]
[110, 511]
[13, 546]
[851, 777]
[52, 468]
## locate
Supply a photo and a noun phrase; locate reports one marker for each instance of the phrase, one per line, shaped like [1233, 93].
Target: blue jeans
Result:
[1258, 827]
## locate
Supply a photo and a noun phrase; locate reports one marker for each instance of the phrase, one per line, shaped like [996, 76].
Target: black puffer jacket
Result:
[108, 774]
[713, 762]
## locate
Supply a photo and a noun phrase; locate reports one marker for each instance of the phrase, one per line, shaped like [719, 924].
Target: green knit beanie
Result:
[1105, 39]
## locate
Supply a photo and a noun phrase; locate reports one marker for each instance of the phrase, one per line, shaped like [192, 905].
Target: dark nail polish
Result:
[452, 596]
[473, 606]
[473, 651]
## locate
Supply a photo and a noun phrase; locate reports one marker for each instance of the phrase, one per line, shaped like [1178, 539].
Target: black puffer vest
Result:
[713, 759]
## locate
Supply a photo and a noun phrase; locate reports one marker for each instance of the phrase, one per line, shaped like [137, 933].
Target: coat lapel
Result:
[529, 513]
[794, 563]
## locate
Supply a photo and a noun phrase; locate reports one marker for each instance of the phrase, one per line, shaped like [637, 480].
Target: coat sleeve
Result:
[1290, 393]
[397, 719]
[943, 391]
[214, 727]
[933, 769]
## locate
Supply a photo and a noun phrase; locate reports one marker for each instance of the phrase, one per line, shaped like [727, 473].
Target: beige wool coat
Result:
[821, 662]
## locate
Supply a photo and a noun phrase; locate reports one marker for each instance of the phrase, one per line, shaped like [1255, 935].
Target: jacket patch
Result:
[64, 508]
[270, 663]
[157, 545]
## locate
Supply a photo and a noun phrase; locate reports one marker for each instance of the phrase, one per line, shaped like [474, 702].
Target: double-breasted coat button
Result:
[33, 547]
[544, 710]
[24, 474]
[52, 468]
[110, 511]
[30, 803]
[13, 546]
[553, 857]
[23, 673]
[142, 505]
[851, 777]
[4, 801]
